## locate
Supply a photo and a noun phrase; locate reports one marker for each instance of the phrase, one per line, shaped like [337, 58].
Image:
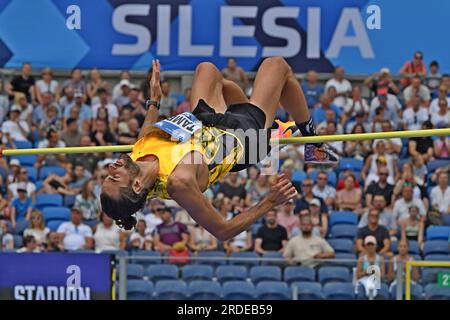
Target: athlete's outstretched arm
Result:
[155, 91]
[184, 189]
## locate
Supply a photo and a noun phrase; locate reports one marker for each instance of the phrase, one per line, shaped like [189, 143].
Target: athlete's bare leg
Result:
[275, 82]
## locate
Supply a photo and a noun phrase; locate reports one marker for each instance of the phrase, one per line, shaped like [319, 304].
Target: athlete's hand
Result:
[155, 82]
[281, 191]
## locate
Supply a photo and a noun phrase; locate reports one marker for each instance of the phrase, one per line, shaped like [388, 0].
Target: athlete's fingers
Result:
[285, 188]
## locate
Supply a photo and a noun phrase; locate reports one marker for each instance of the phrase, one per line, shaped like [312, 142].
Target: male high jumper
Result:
[170, 161]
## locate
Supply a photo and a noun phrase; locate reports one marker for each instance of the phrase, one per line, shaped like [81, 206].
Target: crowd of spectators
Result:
[392, 193]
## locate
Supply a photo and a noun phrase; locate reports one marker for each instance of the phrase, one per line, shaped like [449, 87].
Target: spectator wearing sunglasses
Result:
[37, 228]
[153, 218]
[23, 181]
[413, 67]
[325, 191]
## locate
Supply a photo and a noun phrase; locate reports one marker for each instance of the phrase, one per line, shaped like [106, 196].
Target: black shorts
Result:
[242, 116]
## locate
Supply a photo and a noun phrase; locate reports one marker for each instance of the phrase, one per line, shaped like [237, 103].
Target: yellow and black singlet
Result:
[221, 151]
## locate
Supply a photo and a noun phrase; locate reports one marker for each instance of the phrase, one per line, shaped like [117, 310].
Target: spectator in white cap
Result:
[117, 90]
[123, 99]
[74, 234]
[141, 238]
[21, 208]
[84, 115]
[24, 182]
[14, 170]
[17, 129]
[382, 80]
[367, 261]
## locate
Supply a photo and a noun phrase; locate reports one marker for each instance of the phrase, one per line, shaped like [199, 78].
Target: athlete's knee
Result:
[277, 62]
[209, 69]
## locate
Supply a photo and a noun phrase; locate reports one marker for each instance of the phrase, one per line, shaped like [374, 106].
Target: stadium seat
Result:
[298, 176]
[46, 171]
[339, 291]
[333, 274]
[341, 245]
[434, 292]
[343, 231]
[48, 200]
[154, 255]
[69, 201]
[432, 165]
[53, 225]
[116, 253]
[23, 144]
[159, 272]
[179, 97]
[26, 159]
[135, 271]
[32, 173]
[213, 258]
[355, 164]
[430, 274]
[196, 272]
[343, 217]
[204, 290]
[446, 219]
[299, 274]
[437, 257]
[248, 258]
[255, 228]
[139, 290]
[265, 273]
[382, 293]
[238, 290]
[273, 255]
[171, 290]
[416, 292]
[231, 273]
[272, 290]
[436, 247]
[56, 213]
[308, 290]
[438, 233]
[343, 256]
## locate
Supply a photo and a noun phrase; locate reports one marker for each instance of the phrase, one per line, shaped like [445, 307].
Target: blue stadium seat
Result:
[339, 291]
[273, 255]
[446, 219]
[308, 290]
[298, 176]
[434, 292]
[430, 275]
[344, 256]
[116, 253]
[436, 247]
[343, 231]
[382, 293]
[265, 273]
[56, 213]
[272, 290]
[432, 165]
[416, 291]
[197, 272]
[437, 257]
[26, 159]
[343, 217]
[39, 184]
[144, 253]
[53, 225]
[334, 274]
[299, 274]
[32, 173]
[341, 245]
[18, 241]
[69, 201]
[204, 290]
[171, 290]
[48, 200]
[23, 144]
[438, 233]
[231, 273]
[355, 164]
[160, 272]
[179, 97]
[238, 290]
[255, 228]
[46, 171]
[135, 271]
[248, 258]
[211, 258]
[139, 290]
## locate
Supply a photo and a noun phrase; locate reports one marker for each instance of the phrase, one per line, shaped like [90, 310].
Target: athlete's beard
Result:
[130, 166]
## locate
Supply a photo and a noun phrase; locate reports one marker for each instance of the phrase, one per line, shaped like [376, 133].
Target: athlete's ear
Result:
[137, 185]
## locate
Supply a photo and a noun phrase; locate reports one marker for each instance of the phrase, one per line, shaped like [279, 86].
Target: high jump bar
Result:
[294, 140]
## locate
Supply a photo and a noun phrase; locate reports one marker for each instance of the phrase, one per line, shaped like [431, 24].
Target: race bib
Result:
[181, 127]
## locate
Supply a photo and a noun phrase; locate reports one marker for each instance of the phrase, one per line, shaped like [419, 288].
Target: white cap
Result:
[16, 108]
[125, 82]
[315, 202]
[385, 70]
[105, 162]
[14, 162]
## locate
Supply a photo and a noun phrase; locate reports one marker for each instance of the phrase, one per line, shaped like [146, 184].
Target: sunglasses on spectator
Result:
[383, 174]
[159, 209]
[323, 178]
[35, 218]
[418, 57]
[307, 185]
[373, 215]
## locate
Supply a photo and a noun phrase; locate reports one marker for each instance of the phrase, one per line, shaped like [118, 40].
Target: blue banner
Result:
[55, 276]
[361, 35]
